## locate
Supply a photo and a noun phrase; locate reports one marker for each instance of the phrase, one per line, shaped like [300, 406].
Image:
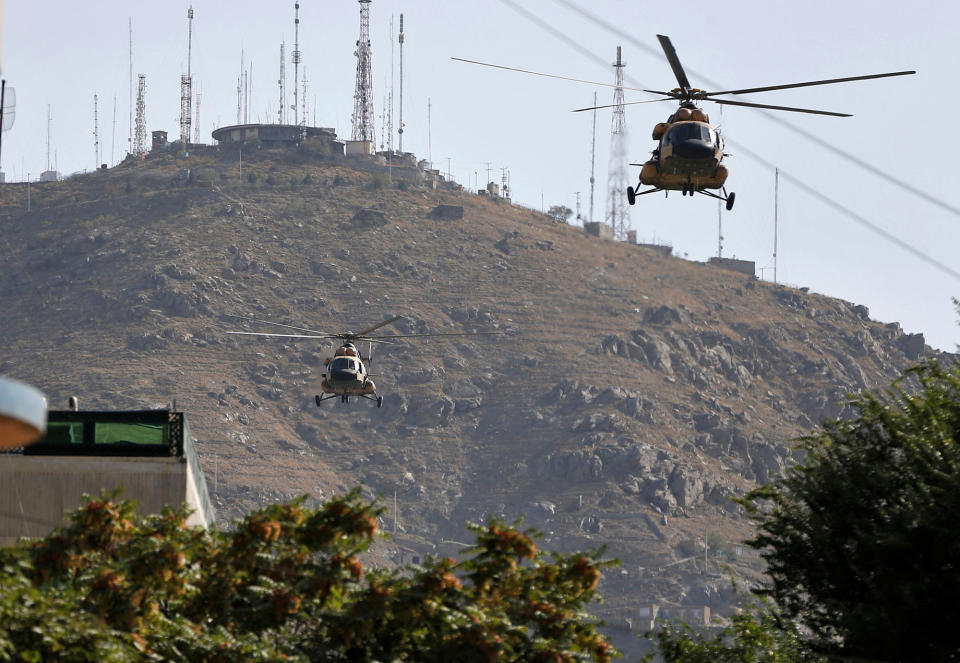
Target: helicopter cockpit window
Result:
[690, 131]
[341, 364]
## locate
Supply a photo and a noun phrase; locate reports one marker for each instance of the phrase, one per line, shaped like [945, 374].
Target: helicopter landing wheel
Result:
[379, 401]
[317, 399]
[631, 195]
[732, 197]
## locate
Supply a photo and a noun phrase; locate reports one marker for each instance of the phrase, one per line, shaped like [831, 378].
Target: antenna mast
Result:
[617, 179]
[390, 103]
[296, 62]
[593, 154]
[130, 137]
[776, 212]
[140, 135]
[49, 119]
[400, 130]
[282, 113]
[96, 134]
[113, 135]
[185, 87]
[196, 127]
[363, 117]
[303, 96]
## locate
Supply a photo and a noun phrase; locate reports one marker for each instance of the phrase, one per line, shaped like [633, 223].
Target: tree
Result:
[286, 584]
[861, 538]
[559, 213]
[756, 634]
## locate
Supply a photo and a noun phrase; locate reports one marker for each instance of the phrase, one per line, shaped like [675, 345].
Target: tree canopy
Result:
[861, 538]
[756, 634]
[287, 584]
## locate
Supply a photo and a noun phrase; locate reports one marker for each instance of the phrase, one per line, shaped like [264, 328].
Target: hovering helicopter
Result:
[346, 375]
[690, 149]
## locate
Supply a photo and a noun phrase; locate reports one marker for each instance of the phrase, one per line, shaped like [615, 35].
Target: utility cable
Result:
[869, 167]
[933, 262]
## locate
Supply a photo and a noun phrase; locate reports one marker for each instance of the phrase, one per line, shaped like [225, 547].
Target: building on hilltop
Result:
[150, 454]
[275, 135]
[747, 267]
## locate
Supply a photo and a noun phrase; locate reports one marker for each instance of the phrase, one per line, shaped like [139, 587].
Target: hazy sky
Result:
[61, 53]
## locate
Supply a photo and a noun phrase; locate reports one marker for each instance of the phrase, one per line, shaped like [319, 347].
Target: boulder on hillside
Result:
[912, 345]
[367, 218]
[661, 315]
[327, 270]
[449, 212]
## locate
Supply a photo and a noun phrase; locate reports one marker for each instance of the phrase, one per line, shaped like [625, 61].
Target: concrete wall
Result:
[664, 249]
[597, 229]
[36, 491]
[359, 148]
[747, 267]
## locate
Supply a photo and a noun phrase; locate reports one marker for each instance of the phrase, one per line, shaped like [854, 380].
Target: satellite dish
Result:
[23, 414]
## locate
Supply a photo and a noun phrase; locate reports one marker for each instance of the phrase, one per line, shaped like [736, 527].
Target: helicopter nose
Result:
[341, 376]
[693, 149]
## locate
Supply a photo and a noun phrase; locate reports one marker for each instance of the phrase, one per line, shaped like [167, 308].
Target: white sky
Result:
[60, 53]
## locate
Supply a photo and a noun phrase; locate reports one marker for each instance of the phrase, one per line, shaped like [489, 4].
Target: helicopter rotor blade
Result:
[276, 324]
[538, 73]
[370, 329]
[674, 61]
[809, 83]
[730, 102]
[629, 103]
[496, 333]
[241, 333]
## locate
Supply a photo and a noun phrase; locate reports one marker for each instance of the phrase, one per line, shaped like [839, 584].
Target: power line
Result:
[796, 181]
[830, 202]
[869, 167]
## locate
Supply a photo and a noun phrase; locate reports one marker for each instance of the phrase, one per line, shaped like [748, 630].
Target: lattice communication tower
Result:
[617, 214]
[140, 129]
[363, 117]
[186, 85]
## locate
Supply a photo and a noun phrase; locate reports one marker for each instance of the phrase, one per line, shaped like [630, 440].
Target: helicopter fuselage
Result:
[688, 155]
[346, 375]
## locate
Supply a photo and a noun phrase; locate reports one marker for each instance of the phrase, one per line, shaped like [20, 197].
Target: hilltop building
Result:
[150, 454]
[275, 135]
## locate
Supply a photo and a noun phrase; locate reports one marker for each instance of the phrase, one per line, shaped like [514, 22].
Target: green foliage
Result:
[252, 177]
[861, 539]
[287, 584]
[757, 634]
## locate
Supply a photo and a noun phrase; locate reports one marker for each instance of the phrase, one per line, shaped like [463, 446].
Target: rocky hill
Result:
[630, 395]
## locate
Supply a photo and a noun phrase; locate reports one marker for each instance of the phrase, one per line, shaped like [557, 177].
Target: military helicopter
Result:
[690, 149]
[346, 374]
